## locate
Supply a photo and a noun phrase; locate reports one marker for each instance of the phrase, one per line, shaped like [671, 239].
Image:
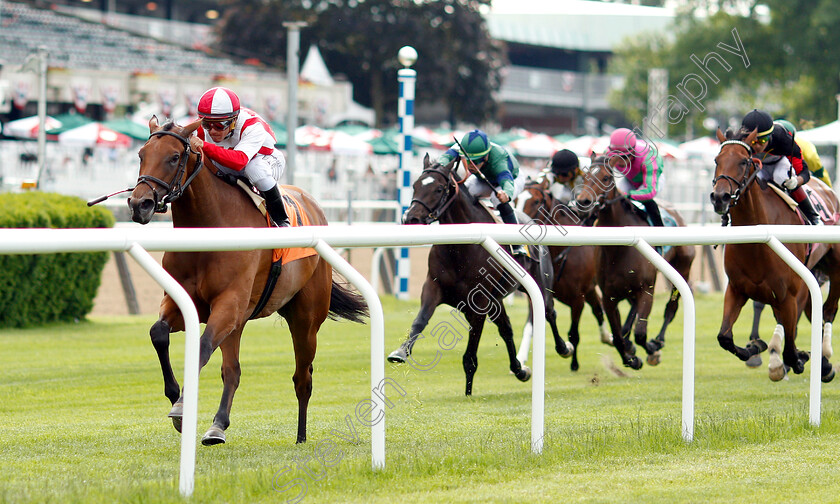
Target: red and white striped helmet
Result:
[218, 104]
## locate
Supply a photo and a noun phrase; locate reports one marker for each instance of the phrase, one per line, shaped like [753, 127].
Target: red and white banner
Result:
[20, 95]
[81, 93]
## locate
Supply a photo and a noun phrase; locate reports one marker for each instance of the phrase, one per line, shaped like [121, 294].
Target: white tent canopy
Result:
[828, 134]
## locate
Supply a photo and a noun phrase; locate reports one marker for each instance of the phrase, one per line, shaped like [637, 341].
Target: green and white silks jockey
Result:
[497, 165]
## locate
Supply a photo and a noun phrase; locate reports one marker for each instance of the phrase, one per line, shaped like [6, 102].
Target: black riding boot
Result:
[275, 207]
[652, 210]
[810, 212]
[508, 217]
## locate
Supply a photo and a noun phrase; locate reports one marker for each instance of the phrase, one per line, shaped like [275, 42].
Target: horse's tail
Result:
[347, 304]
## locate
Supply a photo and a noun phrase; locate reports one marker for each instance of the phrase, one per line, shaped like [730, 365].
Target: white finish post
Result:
[41, 60]
[292, 69]
[816, 325]
[538, 312]
[377, 345]
[190, 391]
[689, 323]
[406, 77]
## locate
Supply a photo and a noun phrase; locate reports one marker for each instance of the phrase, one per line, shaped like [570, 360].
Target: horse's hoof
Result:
[398, 356]
[524, 374]
[758, 344]
[177, 414]
[568, 347]
[777, 373]
[754, 361]
[776, 368]
[213, 436]
[655, 358]
[826, 378]
[798, 366]
[606, 335]
[633, 362]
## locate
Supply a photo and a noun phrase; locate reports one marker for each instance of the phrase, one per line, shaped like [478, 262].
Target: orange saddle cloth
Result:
[297, 217]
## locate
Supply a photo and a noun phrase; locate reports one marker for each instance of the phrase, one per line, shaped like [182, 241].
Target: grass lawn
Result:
[85, 421]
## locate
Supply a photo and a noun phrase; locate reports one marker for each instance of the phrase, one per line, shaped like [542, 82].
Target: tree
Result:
[459, 63]
[793, 71]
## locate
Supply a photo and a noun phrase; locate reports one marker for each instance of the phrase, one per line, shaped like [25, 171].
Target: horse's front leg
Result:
[644, 305]
[624, 347]
[430, 298]
[576, 310]
[231, 374]
[670, 312]
[227, 319]
[170, 321]
[593, 299]
[733, 302]
[787, 316]
[470, 359]
[755, 336]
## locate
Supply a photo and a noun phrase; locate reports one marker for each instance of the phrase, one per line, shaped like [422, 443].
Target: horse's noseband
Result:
[445, 200]
[174, 188]
[740, 185]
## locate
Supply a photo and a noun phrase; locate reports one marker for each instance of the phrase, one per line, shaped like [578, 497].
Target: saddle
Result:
[487, 205]
[667, 219]
[816, 200]
[296, 218]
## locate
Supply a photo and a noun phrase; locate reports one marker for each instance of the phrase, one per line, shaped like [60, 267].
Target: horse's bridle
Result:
[544, 201]
[174, 188]
[601, 202]
[740, 185]
[448, 197]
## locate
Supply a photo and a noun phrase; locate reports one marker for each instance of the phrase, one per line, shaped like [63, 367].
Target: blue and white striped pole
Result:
[406, 77]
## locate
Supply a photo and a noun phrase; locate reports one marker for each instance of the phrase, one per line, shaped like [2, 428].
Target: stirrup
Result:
[518, 250]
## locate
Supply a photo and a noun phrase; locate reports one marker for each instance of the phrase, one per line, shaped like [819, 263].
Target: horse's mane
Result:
[739, 134]
[601, 159]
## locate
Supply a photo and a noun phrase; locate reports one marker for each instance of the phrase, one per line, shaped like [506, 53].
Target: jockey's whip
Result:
[103, 198]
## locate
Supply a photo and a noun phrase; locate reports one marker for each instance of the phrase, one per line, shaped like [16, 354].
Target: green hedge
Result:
[36, 289]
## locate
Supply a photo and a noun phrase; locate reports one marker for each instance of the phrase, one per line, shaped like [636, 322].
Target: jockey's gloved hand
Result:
[791, 183]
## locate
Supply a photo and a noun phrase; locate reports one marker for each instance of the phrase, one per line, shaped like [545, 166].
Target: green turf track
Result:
[84, 420]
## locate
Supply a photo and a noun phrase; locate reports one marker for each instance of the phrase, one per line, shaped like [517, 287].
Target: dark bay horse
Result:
[623, 272]
[467, 277]
[574, 267]
[227, 286]
[756, 272]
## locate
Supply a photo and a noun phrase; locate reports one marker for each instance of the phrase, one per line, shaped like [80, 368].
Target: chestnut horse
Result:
[574, 267]
[467, 277]
[756, 272]
[623, 272]
[226, 286]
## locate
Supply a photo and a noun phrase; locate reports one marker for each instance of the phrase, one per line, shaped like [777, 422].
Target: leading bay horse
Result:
[226, 286]
[467, 277]
[623, 272]
[574, 267]
[756, 272]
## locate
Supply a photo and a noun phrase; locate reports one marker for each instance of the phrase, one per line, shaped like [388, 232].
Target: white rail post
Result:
[538, 311]
[816, 325]
[377, 344]
[689, 321]
[191, 330]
